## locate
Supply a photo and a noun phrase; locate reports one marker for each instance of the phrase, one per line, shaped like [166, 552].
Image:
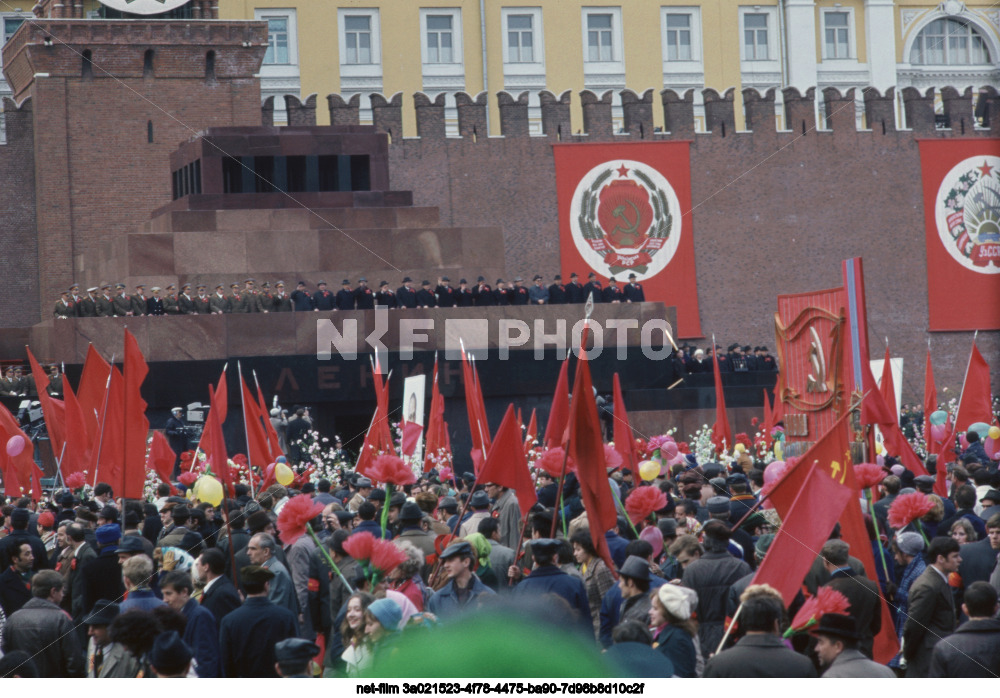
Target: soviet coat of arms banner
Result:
[626, 209]
[961, 180]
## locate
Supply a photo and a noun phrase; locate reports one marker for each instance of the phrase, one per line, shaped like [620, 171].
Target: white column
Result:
[800, 30]
[880, 40]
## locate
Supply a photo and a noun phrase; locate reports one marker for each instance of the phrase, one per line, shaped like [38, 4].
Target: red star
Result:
[622, 171]
[985, 169]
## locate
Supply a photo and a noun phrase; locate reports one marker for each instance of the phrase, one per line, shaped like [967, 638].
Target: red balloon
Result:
[15, 446]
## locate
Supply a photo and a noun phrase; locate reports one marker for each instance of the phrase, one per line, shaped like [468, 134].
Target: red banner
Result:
[961, 179]
[625, 208]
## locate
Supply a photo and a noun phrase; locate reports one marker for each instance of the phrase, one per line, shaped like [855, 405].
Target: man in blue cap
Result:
[464, 587]
[101, 577]
[293, 656]
[170, 657]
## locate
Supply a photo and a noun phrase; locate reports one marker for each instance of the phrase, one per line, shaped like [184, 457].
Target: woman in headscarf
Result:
[673, 629]
[482, 549]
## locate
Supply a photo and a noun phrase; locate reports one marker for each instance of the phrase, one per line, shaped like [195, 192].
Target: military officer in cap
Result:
[574, 290]
[237, 301]
[325, 300]
[154, 304]
[613, 294]
[121, 303]
[302, 300]
[74, 295]
[445, 293]
[139, 301]
[538, 294]
[593, 287]
[64, 307]
[171, 304]
[345, 296]
[248, 635]
[250, 294]
[202, 301]
[406, 297]
[364, 298]
[282, 301]
[264, 298]
[463, 295]
[386, 296]
[425, 296]
[293, 656]
[105, 303]
[218, 303]
[88, 305]
[185, 302]
[557, 291]
[483, 295]
[633, 291]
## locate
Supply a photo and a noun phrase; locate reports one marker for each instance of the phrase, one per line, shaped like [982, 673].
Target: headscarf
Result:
[481, 546]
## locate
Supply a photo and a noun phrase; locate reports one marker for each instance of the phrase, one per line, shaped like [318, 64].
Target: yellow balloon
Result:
[283, 474]
[994, 433]
[879, 448]
[648, 470]
[208, 489]
[740, 448]
[778, 451]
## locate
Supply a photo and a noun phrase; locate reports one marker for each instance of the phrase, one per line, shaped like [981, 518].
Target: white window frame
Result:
[289, 15]
[852, 49]
[376, 39]
[537, 37]
[770, 29]
[279, 79]
[10, 15]
[696, 48]
[457, 47]
[617, 38]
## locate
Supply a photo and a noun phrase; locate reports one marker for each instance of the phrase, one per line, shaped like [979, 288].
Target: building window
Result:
[678, 37]
[600, 44]
[836, 34]
[10, 25]
[440, 39]
[358, 39]
[277, 41]
[949, 42]
[755, 36]
[520, 39]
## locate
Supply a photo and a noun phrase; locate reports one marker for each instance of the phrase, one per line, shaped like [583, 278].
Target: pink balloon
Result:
[880, 459]
[937, 432]
[898, 470]
[991, 446]
[15, 445]
[962, 440]
[774, 471]
[670, 448]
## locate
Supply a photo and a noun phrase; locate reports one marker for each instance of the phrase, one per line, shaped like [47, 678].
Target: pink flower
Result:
[643, 501]
[297, 512]
[907, 508]
[392, 469]
[76, 481]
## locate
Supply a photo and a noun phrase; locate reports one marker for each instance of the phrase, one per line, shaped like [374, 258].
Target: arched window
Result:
[949, 41]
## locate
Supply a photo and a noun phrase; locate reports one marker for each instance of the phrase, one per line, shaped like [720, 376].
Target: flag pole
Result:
[246, 431]
[104, 414]
[264, 408]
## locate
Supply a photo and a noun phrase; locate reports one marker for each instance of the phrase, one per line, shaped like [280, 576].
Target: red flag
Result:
[258, 450]
[136, 423]
[555, 428]
[77, 455]
[274, 444]
[887, 385]
[18, 471]
[161, 458]
[411, 437]
[93, 384]
[768, 424]
[532, 434]
[213, 436]
[55, 418]
[976, 401]
[874, 409]
[624, 440]
[506, 465]
[586, 448]
[933, 445]
[722, 435]
[437, 428]
[777, 407]
[109, 445]
[478, 426]
[378, 440]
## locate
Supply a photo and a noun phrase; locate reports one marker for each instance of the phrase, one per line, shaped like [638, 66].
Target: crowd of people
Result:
[176, 587]
[109, 300]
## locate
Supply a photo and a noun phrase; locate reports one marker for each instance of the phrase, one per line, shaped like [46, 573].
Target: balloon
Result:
[994, 433]
[208, 489]
[981, 428]
[739, 448]
[937, 432]
[280, 459]
[648, 470]
[283, 474]
[774, 470]
[679, 459]
[963, 441]
[880, 460]
[879, 448]
[779, 450]
[670, 448]
[991, 445]
[939, 417]
[15, 445]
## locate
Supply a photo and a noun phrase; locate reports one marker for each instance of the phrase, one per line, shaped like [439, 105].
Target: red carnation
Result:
[187, 456]
[907, 508]
[682, 447]
[359, 545]
[385, 558]
[297, 512]
[742, 438]
[392, 469]
[612, 458]
[187, 479]
[868, 475]
[240, 459]
[827, 600]
[76, 481]
[754, 421]
[643, 501]
[552, 462]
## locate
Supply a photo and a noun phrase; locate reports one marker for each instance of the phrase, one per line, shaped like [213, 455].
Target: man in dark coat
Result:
[974, 650]
[931, 613]
[463, 295]
[425, 296]
[19, 520]
[557, 291]
[520, 293]
[15, 582]
[613, 294]
[979, 558]
[43, 630]
[862, 593]
[574, 290]
[711, 576]
[364, 298]
[482, 294]
[446, 296]
[101, 578]
[219, 596]
[406, 297]
[325, 300]
[302, 300]
[177, 436]
[760, 653]
[201, 632]
[548, 578]
[593, 286]
[633, 290]
[345, 296]
[386, 296]
[247, 635]
[464, 587]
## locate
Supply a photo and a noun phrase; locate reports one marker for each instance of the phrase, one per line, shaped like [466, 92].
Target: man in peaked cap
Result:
[237, 299]
[64, 307]
[548, 578]
[282, 302]
[463, 588]
[218, 302]
[105, 303]
[248, 635]
[201, 301]
[185, 302]
[171, 304]
[293, 656]
[88, 304]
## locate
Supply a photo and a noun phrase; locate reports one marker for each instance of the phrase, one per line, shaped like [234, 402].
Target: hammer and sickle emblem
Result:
[836, 469]
[631, 228]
